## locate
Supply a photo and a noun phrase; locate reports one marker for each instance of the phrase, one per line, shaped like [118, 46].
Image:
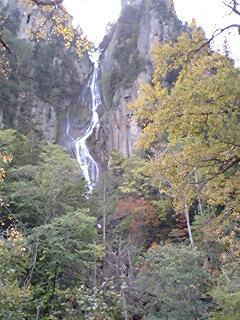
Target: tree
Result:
[136, 180]
[217, 234]
[66, 251]
[49, 246]
[42, 183]
[15, 296]
[49, 269]
[190, 118]
[171, 283]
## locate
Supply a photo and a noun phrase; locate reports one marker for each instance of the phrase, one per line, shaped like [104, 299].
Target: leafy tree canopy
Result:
[190, 116]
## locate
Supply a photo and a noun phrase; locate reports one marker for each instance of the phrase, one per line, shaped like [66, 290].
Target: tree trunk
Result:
[198, 196]
[125, 312]
[38, 313]
[104, 213]
[95, 275]
[189, 226]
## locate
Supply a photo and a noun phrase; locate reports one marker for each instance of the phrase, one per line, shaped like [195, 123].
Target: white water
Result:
[86, 162]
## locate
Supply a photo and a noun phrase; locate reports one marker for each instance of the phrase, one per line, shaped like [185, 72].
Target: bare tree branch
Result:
[225, 169]
[233, 5]
[214, 35]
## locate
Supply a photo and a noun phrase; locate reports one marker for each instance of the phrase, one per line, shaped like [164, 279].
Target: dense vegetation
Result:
[159, 236]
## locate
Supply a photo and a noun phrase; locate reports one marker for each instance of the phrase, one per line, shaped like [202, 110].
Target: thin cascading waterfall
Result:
[68, 127]
[86, 162]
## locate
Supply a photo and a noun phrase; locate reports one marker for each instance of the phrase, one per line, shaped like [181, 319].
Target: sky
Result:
[93, 16]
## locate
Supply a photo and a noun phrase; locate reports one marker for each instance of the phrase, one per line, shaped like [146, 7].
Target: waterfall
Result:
[86, 162]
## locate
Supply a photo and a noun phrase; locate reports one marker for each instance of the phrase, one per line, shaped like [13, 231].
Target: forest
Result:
[158, 236]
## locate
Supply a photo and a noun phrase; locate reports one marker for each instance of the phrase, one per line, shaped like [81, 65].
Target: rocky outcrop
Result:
[47, 85]
[42, 118]
[126, 64]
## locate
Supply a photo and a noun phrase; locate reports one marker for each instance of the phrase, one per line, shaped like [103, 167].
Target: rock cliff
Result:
[47, 85]
[126, 64]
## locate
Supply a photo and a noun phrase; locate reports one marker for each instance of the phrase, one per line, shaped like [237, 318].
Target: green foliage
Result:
[14, 263]
[14, 301]
[22, 150]
[138, 183]
[136, 180]
[45, 22]
[116, 163]
[106, 194]
[110, 82]
[66, 250]
[42, 267]
[122, 228]
[190, 120]
[42, 183]
[164, 211]
[46, 198]
[228, 303]
[172, 283]
[52, 72]
[227, 294]
[84, 303]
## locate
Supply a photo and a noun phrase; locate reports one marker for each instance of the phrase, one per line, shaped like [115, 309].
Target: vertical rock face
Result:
[126, 64]
[47, 83]
[42, 117]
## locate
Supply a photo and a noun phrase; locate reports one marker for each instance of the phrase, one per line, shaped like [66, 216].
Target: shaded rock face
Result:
[126, 64]
[42, 118]
[47, 86]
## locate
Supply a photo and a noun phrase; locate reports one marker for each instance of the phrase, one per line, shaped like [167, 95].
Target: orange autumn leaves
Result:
[141, 211]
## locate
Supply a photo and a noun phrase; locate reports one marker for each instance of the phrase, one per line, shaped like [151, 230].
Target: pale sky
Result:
[93, 16]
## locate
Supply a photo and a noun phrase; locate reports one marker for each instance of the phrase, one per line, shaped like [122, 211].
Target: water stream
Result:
[88, 165]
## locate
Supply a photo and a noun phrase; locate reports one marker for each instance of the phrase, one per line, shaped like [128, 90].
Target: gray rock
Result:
[119, 132]
[53, 87]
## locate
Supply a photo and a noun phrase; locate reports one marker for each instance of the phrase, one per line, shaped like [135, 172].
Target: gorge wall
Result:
[126, 64]
[47, 85]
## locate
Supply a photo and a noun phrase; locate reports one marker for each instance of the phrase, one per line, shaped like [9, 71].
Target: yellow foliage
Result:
[5, 158]
[197, 111]
[48, 21]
